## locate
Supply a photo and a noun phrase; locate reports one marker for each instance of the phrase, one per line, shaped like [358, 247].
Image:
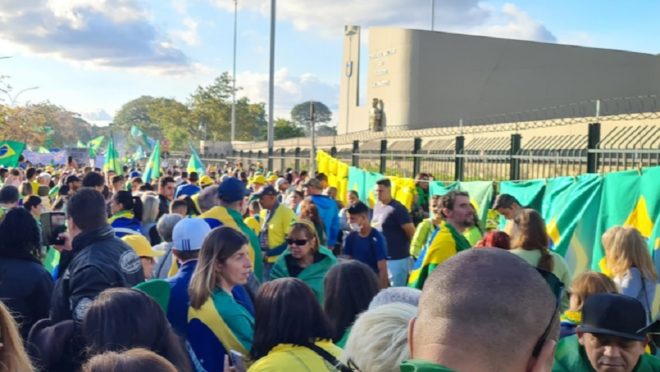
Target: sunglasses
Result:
[557, 288]
[298, 242]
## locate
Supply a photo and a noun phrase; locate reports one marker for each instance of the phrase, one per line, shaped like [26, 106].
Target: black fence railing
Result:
[489, 158]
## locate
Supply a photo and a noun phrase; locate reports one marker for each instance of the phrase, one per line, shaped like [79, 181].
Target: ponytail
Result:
[137, 207]
[546, 261]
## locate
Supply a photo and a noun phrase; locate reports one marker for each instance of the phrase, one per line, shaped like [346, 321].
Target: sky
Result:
[92, 56]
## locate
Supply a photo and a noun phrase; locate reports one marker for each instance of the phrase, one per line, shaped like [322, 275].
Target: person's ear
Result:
[580, 336]
[543, 363]
[411, 327]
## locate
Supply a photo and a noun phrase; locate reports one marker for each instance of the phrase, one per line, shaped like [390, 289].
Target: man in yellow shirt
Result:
[277, 219]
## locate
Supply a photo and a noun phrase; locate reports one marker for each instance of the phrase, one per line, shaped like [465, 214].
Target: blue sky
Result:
[91, 56]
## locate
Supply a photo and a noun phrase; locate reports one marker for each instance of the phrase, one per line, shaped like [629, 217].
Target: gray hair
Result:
[379, 338]
[150, 205]
[208, 198]
[165, 225]
[396, 294]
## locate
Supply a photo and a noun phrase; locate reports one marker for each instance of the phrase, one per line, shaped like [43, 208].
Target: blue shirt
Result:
[368, 250]
[177, 308]
[187, 189]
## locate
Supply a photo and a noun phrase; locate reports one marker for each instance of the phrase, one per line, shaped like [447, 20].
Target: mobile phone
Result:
[237, 360]
[52, 225]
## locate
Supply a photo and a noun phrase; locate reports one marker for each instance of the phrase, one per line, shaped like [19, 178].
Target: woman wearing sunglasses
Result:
[305, 258]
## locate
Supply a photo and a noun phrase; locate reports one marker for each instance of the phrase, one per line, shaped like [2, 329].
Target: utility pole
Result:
[233, 78]
[312, 151]
[432, 15]
[271, 85]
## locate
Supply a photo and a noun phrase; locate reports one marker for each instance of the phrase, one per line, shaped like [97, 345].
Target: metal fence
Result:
[489, 158]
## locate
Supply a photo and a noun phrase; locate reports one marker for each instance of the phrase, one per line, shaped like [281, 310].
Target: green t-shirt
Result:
[416, 365]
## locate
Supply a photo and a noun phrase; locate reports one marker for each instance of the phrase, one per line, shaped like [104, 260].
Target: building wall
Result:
[430, 79]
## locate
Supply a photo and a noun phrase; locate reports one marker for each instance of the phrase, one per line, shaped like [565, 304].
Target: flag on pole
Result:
[94, 145]
[10, 153]
[195, 163]
[112, 161]
[152, 170]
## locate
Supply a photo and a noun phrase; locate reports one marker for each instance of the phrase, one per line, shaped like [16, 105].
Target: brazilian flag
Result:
[112, 161]
[152, 170]
[10, 153]
[195, 163]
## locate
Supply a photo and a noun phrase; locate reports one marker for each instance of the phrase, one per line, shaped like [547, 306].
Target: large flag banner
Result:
[618, 204]
[577, 202]
[10, 153]
[356, 182]
[370, 179]
[195, 163]
[152, 170]
[112, 162]
[441, 188]
[553, 188]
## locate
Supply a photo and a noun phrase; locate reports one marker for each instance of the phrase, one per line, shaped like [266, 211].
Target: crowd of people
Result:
[245, 269]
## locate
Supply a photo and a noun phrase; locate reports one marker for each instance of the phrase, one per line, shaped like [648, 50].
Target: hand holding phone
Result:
[237, 361]
[53, 228]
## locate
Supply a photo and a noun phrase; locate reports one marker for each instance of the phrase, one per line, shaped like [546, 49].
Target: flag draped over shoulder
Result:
[112, 162]
[444, 243]
[10, 153]
[152, 169]
[195, 163]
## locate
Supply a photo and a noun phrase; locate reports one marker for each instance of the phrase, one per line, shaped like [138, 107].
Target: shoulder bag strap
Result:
[328, 357]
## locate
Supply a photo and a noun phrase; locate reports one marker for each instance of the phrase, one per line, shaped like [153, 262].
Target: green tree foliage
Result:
[326, 130]
[300, 114]
[286, 129]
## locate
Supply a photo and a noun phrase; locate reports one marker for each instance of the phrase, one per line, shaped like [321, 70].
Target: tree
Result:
[300, 114]
[286, 129]
[326, 130]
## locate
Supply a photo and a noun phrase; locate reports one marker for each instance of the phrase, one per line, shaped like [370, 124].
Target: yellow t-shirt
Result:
[288, 357]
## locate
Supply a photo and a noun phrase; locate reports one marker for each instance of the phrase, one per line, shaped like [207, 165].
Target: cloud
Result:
[463, 16]
[97, 117]
[111, 33]
[189, 34]
[290, 90]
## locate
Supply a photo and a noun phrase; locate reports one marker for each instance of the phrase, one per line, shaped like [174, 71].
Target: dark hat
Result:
[504, 201]
[358, 208]
[313, 182]
[268, 190]
[231, 190]
[615, 315]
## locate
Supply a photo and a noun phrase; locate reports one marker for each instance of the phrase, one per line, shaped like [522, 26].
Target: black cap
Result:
[615, 315]
[268, 190]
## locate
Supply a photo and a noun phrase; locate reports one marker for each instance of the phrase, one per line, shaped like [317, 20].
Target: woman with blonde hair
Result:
[12, 353]
[150, 205]
[628, 259]
[220, 317]
[305, 258]
[584, 285]
[530, 241]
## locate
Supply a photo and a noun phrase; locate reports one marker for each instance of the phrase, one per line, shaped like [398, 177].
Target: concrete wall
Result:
[429, 79]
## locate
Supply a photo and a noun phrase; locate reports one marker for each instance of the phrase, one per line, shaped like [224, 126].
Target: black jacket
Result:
[99, 261]
[26, 288]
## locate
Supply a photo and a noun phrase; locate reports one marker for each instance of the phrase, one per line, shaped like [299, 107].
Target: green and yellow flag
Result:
[112, 161]
[94, 145]
[10, 153]
[152, 170]
[195, 163]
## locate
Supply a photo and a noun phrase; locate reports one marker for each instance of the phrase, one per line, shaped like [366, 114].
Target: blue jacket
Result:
[177, 308]
[330, 216]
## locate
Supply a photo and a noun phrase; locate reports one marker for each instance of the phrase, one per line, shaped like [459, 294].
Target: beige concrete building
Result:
[431, 79]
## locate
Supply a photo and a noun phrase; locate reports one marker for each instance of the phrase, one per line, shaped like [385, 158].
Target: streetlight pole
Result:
[432, 15]
[312, 152]
[271, 85]
[233, 78]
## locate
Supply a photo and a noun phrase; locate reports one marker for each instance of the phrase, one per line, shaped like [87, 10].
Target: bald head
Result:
[485, 305]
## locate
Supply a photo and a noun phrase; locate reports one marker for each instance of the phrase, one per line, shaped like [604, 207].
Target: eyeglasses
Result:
[557, 288]
[298, 242]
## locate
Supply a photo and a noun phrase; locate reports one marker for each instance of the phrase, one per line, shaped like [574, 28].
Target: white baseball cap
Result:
[189, 233]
